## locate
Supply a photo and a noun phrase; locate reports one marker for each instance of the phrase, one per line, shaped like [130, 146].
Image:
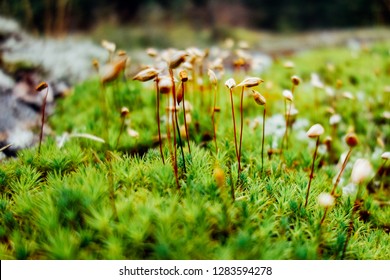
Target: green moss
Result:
[79, 201]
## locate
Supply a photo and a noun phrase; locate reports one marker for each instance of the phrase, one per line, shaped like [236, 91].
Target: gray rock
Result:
[25, 61]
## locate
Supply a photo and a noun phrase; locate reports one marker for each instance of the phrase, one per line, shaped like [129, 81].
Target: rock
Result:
[25, 61]
[6, 81]
[17, 119]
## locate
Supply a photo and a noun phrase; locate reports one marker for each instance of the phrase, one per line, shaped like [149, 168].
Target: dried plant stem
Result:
[312, 170]
[42, 120]
[158, 119]
[241, 128]
[176, 121]
[185, 118]
[5, 147]
[213, 119]
[262, 142]
[234, 124]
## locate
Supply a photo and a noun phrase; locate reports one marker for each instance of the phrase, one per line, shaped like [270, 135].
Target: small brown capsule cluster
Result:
[259, 99]
[176, 59]
[109, 46]
[124, 112]
[230, 83]
[250, 82]
[295, 80]
[111, 71]
[121, 53]
[165, 85]
[315, 131]
[351, 139]
[41, 86]
[146, 75]
[183, 76]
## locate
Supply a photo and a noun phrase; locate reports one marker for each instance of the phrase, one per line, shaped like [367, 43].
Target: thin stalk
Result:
[232, 185]
[234, 123]
[331, 152]
[287, 125]
[185, 117]
[105, 115]
[323, 217]
[158, 119]
[213, 119]
[201, 86]
[180, 143]
[115, 97]
[124, 79]
[284, 136]
[193, 86]
[168, 127]
[111, 188]
[175, 152]
[120, 132]
[316, 103]
[176, 121]
[334, 131]
[319, 238]
[241, 128]
[174, 139]
[337, 182]
[341, 171]
[350, 227]
[383, 175]
[42, 120]
[262, 142]
[312, 170]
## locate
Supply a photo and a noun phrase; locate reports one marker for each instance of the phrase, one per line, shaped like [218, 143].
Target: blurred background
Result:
[162, 23]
